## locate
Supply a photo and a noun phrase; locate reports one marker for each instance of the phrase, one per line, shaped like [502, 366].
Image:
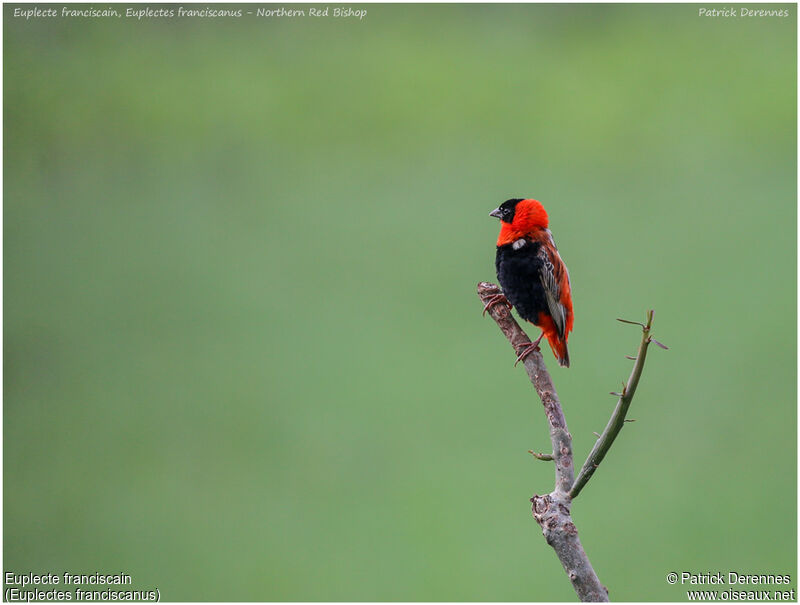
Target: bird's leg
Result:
[496, 299]
[528, 349]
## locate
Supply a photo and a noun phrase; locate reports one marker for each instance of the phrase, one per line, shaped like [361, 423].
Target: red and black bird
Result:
[534, 278]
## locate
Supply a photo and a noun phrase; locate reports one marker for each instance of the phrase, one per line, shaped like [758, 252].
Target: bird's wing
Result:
[552, 275]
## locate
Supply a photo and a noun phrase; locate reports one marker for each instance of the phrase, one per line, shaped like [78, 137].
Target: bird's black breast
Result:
[519, 274]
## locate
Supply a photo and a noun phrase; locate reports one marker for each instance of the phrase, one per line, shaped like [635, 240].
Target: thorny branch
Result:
[617, 420]
[552, 511]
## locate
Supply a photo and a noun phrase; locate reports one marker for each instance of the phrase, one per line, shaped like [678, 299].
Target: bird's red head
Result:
[519, 218]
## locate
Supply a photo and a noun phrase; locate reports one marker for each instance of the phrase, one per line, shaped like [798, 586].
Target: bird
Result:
[534, 279]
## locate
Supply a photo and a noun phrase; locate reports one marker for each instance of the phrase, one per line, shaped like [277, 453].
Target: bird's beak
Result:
[495, 213]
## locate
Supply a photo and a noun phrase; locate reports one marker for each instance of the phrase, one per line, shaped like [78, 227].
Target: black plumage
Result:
[520, 274]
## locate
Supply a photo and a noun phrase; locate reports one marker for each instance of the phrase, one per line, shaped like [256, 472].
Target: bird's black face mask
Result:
[506, 210]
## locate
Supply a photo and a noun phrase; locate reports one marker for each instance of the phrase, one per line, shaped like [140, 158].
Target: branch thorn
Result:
[635, 323]
[539, 456]
[663, 346]
[631, 358]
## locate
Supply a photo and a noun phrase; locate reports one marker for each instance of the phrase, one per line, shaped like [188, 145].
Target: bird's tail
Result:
[559, 347]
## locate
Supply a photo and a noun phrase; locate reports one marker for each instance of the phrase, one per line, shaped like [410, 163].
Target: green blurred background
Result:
[244, 358]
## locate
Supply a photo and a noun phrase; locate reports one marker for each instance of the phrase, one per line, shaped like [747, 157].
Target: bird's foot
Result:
[529, 348]
[494, 300]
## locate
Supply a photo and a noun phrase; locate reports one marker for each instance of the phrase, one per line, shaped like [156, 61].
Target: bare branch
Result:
[551, 511]
[617, 420]
[537, 372]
